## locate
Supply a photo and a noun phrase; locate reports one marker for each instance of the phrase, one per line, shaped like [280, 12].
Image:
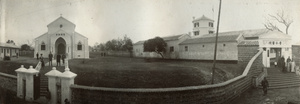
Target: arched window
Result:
[79, 46]
[43, 46]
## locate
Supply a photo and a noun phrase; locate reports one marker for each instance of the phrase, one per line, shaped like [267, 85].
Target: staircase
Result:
[278, 79]
[43, 85]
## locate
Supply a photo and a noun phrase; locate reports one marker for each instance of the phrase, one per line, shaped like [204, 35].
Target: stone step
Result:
[283, 79]
[286, 81]
[284, 84]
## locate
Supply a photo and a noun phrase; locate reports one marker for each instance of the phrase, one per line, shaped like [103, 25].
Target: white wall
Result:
[197, 51]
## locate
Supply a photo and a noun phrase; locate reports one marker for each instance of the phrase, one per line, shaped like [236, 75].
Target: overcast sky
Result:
[103, 20]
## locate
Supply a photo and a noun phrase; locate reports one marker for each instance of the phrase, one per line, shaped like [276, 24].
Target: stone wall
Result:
[8, 82]
[223, 92]
[246, 52]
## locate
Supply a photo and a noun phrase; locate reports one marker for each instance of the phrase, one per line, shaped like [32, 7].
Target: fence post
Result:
[29, 83]
[52, 80]
[67, 79]
[20, 84]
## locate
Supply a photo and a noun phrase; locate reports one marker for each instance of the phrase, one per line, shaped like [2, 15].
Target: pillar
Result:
[29, 83]
[52, 80]
[67, 79]
[20, 76]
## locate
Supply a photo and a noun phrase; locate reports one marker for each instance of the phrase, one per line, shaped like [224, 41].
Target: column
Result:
[29, 83]
[20, 76]
[52, 80]
[67, 79]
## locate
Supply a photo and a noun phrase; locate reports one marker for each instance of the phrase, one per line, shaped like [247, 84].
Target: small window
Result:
[224, 45]
[210, 32]
[203, 46]
[196, 33]
[210, 24]
[43, 46]
[196, 24]
[60, 25]
[79, 46]
[172, 49]
[186, 48]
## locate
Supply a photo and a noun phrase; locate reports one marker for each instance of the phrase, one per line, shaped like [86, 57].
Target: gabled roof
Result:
[60, 18]
[139, 43]
[211, 39]
[203, 18]
[167, 38]
[6, 45]
[249, 43]
[76, 33]
[175, 37]
[275, 34]
[41, 35]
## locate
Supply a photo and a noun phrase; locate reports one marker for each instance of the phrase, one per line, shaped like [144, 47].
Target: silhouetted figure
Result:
[265, 85]
[58, 60]
[63, 58]
[50, 56]
[37, 56]
[67, 101]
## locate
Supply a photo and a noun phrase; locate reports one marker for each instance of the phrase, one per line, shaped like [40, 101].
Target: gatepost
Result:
[29, 83]
[20, 83]
[52, 80]
[67, 79]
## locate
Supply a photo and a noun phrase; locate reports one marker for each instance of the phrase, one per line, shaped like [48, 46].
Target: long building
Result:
[200, 44]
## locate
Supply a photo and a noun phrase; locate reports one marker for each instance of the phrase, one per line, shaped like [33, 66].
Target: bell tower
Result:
[202, 25]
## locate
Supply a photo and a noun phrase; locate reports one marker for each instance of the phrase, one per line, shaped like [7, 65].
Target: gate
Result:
[36, 81]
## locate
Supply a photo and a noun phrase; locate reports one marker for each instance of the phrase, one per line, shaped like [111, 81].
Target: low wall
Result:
[8, 82]
[223, 92]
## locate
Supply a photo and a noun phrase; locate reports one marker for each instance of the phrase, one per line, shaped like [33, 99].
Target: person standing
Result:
[42, 60]
[265, 85]
[58, 60]
[50, 56]
[288, 64]
[37, 56]
[63, 58]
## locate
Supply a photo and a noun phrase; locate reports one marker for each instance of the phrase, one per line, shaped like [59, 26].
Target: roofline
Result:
[62, 18]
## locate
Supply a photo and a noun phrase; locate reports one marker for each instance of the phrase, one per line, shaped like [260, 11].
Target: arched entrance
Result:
[60, 46]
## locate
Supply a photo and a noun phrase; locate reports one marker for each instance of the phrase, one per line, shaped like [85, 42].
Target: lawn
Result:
[15, 63]
[123, 72]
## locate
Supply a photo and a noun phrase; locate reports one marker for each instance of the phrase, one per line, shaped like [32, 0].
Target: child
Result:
[275, 63]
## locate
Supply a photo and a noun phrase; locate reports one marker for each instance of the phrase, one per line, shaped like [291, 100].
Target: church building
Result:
[61, 38]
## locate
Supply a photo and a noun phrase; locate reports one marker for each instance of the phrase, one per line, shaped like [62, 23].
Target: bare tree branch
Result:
[281, 18]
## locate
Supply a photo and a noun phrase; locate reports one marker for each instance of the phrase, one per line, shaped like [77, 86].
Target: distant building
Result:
[172, 49]
[7, 49]
[62, 38]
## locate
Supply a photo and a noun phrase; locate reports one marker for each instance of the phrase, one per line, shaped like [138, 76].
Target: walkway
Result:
[284, 88]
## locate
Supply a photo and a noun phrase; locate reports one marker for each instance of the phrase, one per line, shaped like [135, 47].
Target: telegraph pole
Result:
[216, 45]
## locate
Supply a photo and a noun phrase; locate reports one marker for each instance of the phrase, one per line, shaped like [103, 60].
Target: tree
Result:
[25, 47]
[280, 17]
[156, 44]
[10, 42]
[127, 44]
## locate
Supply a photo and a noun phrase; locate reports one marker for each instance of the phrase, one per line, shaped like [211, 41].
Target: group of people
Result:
[287, 66]
[50, 57]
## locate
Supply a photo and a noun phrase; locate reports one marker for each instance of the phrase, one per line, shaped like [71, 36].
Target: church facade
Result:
[60, 39]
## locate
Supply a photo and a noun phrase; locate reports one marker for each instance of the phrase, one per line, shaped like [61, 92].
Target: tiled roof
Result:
[211, 39]
[8, 45]
[249, 43]
[245, 33]
[167, 38]
[203, 18]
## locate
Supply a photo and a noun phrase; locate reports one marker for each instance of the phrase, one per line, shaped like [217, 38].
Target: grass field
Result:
[125, 72]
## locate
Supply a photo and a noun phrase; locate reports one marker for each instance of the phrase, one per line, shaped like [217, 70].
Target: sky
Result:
[103, 20]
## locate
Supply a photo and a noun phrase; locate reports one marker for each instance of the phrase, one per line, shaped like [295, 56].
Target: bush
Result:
[6, 58]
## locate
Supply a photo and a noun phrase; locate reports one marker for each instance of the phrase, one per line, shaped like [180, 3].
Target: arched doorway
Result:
[60, 46]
